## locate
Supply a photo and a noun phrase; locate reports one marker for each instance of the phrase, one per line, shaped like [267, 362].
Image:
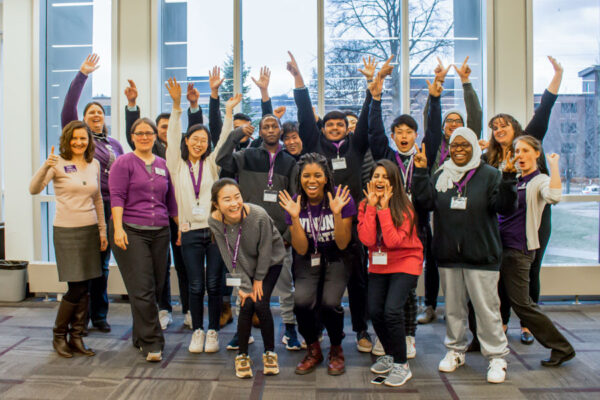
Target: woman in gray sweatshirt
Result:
[253, 251]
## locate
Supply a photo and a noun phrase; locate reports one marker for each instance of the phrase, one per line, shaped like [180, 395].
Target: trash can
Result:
[13, 280]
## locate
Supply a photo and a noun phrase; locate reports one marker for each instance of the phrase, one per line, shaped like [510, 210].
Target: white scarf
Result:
[453, 173]
[409, 153]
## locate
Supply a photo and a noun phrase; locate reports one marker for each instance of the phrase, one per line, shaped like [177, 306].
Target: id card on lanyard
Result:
[315, 258]
[407, 173]
[460, 202]
[338, 162]
[379, 257]
[197, 209]
[270, 195]
[234, 279]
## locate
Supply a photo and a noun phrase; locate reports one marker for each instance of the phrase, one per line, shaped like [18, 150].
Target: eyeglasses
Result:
[454, 121]
[146, 134]
[462, 146]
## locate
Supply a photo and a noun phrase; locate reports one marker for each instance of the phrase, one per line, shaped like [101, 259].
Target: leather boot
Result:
[61, 328]
[78, 322]
[336, 361]
[313, 357]
[226, 314]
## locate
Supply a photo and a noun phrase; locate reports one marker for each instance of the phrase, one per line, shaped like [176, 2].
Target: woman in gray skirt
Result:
[79, 230]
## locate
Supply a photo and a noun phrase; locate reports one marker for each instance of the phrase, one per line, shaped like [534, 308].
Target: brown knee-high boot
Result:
[61, 328]
[78, 322]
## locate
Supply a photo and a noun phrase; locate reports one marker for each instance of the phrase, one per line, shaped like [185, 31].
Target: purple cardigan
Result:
[104, 144]
[147, 199]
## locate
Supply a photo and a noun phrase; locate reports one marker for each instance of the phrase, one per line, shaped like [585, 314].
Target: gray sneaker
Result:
[427, 316]
[383, 365]
[399, 375]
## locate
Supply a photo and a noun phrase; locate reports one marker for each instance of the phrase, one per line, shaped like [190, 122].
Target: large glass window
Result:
[70, 31]
[574, 128]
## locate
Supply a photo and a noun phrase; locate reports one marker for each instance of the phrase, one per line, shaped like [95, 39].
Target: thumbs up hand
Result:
[52, 159]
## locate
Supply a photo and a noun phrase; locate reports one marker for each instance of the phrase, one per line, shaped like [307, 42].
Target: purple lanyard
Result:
[236, 251]
[316, 231]
[462, 184]
[337, 146]
[406, 172]
[272, 166]
[196, 181]
[444, 153]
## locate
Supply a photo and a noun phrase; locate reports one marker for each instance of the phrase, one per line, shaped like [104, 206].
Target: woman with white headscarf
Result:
[465, 195]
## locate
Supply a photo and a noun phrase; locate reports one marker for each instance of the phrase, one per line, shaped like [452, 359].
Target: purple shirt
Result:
[104, 145]
[326, 239]
[147, 199]
[512, 227]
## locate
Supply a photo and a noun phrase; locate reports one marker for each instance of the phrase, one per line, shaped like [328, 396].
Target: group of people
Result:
[312, 207]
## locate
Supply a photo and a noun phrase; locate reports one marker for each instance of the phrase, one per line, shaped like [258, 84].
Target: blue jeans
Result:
[197, 246]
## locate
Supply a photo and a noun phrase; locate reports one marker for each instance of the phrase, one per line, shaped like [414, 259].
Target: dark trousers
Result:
[432, 275]
[97, 286]
[142, 267]
[387, 297]
[515, 274]
[226, 290]
[357, 284]
[319, 290]
[262, 308]
[164, 302]
[197, 247]
[410, 312]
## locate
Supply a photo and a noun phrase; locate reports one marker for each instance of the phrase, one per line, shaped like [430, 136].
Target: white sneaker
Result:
[187, 321]
[378, 348]
[212, 341]
[411, 349]
[451, 361]
[197, 342]
[165, 318]
[496, 370]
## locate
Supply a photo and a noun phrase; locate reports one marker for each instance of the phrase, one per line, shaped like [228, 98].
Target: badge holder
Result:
[233, 279]
[315, 259]
[270, 196]
[199, 210]
[185, 227]
[338, 163]
[458, 203]
[380, 258]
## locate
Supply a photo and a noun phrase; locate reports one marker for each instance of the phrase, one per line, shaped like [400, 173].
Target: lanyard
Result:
[407, 172]
[196, 181]
[236, 251]
[272, 166]
[444, 153]
[462, 184]
[337, 146]
[316, 231]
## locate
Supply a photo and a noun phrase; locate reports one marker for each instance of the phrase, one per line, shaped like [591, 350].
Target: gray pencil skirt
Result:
[77, 253]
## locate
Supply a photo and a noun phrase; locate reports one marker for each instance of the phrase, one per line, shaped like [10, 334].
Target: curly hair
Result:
[321, 161]
[66, 137]
[494, 152]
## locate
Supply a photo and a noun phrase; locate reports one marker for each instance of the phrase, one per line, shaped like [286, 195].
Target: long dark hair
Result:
[400, 205]
[494, 151]
[216, 188]
[185, 153]
[65, 141]
[95, 103]
[321, 161]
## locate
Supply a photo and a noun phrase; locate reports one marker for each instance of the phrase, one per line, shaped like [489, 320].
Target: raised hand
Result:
[341, 199]
[464, 71]
[557, 78]
[553, 159]
[376, 87]
[483, 144]
[263, 79]
[192, 95]
[558, 69]
[215, 81]
[371, 195]
[289, 205]
[52, 159]
[279, 111]
[510, 163]
[384, 201]
[174, 90]
[292, 66]
[420, 157]
[441, 71]
[233, 101]
[90, 64]
[386, 68]
[435, 88]
[248, 129]
[369, 68]
[316, 114]
[131, 93]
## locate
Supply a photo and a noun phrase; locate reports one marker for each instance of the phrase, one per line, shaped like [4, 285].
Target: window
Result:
[70, 31]
[573, 127]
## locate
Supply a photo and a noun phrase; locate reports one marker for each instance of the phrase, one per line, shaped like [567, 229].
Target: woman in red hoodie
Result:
[387, 226]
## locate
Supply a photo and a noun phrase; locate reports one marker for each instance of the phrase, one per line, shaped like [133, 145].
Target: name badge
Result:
[380, 258]
[338, 163]
[233, 280]
[185, 227]
[109, 147]
[270, 196]
[69, 169]
[160, 171]
[315, 259]
[199, 210]
[458, 203]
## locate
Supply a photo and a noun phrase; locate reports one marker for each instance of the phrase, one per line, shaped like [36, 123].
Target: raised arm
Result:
[378, 142]
[538, 126]
[552, 192]
[69, 110]
[440, 73]
[194, 112]
[227, 127]
[433, 134]
[361, 131]
[474, 112]
[132, 111]
[174, 129]
[263, 85]
[225, 157]
[215, 122]
[307, 126]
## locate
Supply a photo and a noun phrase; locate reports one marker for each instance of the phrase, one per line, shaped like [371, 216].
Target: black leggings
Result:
[263, 311]
[76, 291]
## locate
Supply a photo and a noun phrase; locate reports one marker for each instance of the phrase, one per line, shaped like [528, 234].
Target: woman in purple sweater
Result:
[142, 199]
[107, 150]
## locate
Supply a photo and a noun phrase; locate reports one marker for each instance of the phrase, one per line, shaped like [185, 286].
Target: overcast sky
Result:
[567, 29]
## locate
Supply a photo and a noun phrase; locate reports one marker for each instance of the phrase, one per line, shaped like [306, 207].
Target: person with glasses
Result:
[142, 199]
[466, 195]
